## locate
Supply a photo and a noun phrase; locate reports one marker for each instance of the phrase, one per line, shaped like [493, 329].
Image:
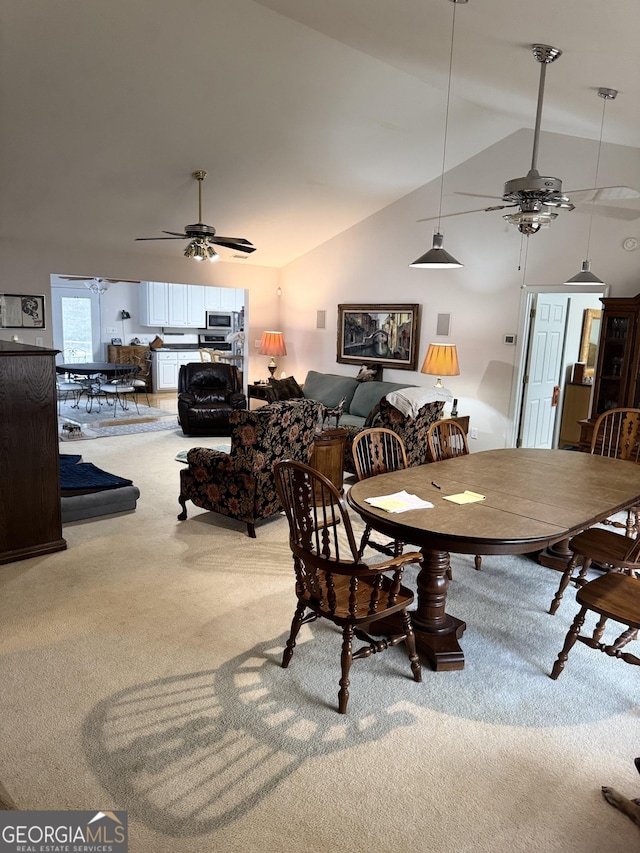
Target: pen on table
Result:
[435, 484]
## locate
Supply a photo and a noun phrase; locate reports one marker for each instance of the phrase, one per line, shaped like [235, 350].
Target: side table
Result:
[257, 391]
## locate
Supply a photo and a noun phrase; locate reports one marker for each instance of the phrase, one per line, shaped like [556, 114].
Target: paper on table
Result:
[399, 502]
[465, 497]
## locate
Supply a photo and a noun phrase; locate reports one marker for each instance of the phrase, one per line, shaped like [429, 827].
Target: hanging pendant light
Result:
[437, 258]
[585, 276]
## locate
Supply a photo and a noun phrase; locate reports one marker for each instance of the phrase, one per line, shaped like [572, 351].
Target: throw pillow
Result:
[367, 374]
[284, 389]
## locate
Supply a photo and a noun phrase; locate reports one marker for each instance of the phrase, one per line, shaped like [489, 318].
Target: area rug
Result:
[105, 415]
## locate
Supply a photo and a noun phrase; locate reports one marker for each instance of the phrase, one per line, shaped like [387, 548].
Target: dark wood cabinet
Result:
[617, 375]
[30, 511]
[130, 354]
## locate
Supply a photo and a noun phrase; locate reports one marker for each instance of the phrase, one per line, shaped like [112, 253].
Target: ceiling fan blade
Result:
[628, 213]
[464, 212]
[175, 234]
[598, 194]
[233, 243]
[479, 195]
[161, 238]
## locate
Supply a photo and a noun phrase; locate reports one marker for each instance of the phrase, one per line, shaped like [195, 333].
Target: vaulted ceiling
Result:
[308, 115]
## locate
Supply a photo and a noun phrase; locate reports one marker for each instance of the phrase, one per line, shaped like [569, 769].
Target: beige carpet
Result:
[139, 671]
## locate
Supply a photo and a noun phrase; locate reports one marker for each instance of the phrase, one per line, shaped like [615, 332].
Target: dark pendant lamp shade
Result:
[436, 258]
[585, 276]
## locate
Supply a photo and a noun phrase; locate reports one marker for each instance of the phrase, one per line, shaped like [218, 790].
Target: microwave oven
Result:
[220, 320]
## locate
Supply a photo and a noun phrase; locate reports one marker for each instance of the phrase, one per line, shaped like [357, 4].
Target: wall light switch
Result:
[39, 342]
[257, 344]
[473, 432]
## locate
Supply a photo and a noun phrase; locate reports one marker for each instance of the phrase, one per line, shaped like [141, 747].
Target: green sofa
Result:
[361, 398]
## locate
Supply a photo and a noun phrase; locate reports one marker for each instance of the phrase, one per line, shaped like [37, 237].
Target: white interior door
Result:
[542, 377]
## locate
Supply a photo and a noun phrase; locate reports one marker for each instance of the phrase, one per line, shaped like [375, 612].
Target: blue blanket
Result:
[77, 478]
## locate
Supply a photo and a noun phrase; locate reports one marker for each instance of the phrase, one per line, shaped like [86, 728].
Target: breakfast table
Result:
[526, 500]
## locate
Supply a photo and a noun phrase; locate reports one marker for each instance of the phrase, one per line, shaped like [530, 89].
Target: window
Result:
[76, 325]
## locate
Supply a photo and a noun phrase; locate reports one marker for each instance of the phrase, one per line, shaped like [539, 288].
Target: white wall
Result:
[369, 264]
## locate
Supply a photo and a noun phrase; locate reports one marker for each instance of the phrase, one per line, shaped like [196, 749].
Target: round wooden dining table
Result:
[532, 499]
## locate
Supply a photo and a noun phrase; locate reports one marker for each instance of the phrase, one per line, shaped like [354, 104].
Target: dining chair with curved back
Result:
[609, 550]
[332, 580]
[616, 433]
[376, 451]
[141, 380]
[120, 389]
[446, 440]
[71, 385]
[613, 596]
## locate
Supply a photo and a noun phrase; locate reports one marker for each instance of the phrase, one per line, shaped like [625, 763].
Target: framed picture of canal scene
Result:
[386, 335]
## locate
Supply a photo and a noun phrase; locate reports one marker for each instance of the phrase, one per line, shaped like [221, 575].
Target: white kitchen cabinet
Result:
[223, 298]
[177, 302]
[154, 304]
[195, 306]
[165, 371]
[166, 364]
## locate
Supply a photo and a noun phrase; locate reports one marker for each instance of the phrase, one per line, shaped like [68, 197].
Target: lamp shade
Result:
[585, 276]
[441, 360]
[272, 343]
[436, 258]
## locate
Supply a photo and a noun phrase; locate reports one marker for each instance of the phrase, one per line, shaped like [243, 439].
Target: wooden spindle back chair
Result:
[332, 581]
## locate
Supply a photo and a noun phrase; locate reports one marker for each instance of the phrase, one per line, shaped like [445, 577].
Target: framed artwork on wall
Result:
[21, 311]
[387, 335]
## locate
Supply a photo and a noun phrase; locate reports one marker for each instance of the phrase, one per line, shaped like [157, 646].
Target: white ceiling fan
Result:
[538, 197]
[97, 285]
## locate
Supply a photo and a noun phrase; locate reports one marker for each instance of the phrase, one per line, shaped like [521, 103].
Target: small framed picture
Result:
[116, 342]
[21, 311]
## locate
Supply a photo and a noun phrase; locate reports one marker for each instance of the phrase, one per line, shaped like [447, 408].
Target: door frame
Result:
[527, 295]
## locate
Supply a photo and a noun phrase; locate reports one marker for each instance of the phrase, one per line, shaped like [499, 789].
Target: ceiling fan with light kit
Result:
[97, 285]
[204, 237]
[538, 198]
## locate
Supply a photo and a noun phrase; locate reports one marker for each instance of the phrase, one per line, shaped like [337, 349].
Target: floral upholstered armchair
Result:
[412, 430]
[241, 483]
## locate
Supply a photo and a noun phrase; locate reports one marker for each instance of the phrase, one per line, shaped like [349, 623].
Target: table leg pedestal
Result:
[556, 556]
[437, 633]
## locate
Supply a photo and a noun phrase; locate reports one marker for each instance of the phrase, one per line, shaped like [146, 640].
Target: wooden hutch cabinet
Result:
[30, 511]
[129, 354]
[617, 374]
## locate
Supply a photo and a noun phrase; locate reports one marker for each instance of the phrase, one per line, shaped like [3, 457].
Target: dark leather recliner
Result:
[207, 394]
